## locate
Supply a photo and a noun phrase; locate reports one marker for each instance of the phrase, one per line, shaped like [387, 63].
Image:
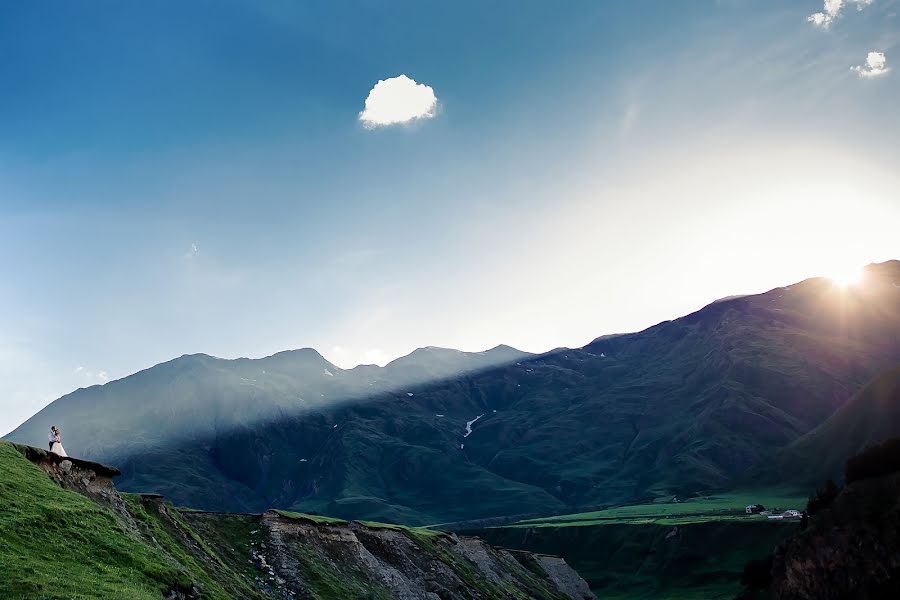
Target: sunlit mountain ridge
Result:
[440, 435]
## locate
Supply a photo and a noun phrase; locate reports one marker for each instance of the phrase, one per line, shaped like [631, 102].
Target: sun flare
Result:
[846, 276]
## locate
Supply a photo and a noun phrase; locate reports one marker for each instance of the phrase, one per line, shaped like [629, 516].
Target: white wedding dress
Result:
[57, 448]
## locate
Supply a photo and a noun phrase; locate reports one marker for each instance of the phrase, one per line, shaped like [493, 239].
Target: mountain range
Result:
[438, 436]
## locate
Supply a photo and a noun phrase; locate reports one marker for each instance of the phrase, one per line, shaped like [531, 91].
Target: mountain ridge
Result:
[685, 405]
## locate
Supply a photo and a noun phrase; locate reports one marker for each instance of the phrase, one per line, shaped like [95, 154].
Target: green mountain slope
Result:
[870, 417]
[57, 543]
[442, 436]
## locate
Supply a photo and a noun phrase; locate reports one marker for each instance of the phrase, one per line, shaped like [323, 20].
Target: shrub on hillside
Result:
[823, 497]
[875, 461]
[757, 574]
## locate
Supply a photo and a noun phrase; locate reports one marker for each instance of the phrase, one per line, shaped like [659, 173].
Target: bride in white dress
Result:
[56, 446]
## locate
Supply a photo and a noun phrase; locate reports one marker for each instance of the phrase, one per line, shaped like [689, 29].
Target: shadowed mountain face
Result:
[442, 435]
[870, 417]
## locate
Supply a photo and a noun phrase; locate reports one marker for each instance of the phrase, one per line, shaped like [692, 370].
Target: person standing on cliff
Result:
[56, 446]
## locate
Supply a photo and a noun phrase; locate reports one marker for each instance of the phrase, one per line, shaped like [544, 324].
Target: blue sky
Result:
[182, 177]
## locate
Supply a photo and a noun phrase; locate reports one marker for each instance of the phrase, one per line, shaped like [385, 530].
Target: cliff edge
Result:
[66, 531]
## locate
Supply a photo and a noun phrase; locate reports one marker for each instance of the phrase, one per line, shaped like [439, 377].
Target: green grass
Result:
[728, 506]
[231, 535]
[423, 531]
[318, 519]
[178, 540]
[58, 544]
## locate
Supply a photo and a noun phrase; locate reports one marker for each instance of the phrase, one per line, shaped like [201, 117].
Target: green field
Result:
[727, 506]
[690, 550]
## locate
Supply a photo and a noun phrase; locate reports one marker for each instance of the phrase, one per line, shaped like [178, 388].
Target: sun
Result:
[846, 276]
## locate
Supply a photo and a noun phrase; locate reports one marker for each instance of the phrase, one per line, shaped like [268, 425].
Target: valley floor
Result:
[695, 549]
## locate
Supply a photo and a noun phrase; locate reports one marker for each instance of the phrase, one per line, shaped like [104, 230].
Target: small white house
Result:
[751, 509]
[791, 514]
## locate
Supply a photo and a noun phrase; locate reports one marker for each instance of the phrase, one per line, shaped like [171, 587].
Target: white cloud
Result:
[876, 65]
[398, 100]
[375, 356]
[831, 10]
[90, 377]
[192, 251]
[347, 358]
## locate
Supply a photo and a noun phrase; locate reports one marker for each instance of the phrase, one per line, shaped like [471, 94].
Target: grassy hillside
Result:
[870, 417]
[65, 533]
[56, 543]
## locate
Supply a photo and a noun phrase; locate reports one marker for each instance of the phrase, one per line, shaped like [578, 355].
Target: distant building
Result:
[791, 514]
[752, 509]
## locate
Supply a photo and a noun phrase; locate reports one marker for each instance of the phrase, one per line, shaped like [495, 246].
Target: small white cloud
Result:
[831, 10]
[375, 356]
[819, 20]
[89, 376]
[192, 251]
[398, 100]
[351, 357]
[876, 65]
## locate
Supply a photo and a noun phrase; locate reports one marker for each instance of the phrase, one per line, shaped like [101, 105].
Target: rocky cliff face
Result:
[850, 550]
[295, 552]
[283, 555]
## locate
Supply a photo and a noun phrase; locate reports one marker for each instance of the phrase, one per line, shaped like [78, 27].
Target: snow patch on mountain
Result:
[469, 425]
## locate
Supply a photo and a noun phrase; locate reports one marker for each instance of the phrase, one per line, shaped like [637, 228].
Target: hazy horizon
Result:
[366, 180]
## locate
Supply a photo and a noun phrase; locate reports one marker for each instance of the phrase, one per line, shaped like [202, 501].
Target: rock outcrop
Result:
[92, 479]
[406, 563]
[850, 550]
